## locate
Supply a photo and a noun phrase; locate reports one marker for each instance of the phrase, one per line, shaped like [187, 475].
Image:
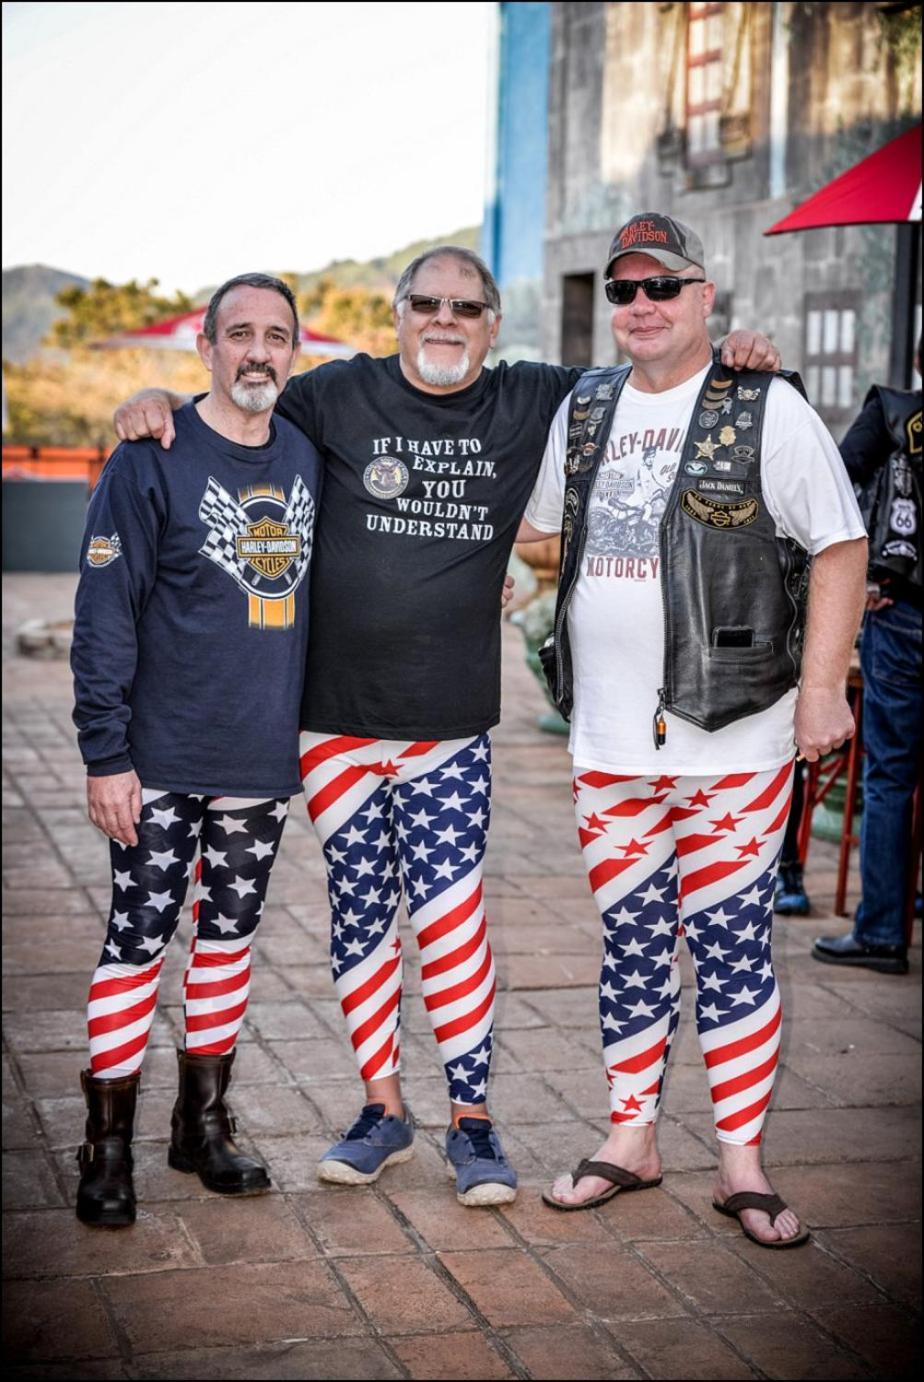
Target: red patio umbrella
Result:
[883, 188]
[886, 186]
[179, 333]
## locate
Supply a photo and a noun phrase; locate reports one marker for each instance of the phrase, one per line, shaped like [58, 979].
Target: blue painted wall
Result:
[514, 222]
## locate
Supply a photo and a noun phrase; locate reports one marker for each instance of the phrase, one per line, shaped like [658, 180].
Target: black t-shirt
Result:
[422, 497]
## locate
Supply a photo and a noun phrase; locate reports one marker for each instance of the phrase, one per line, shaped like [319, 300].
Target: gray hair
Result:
[276, 285]
[488, 284]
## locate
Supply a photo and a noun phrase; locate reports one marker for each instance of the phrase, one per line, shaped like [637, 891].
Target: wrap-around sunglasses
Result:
[661, 288]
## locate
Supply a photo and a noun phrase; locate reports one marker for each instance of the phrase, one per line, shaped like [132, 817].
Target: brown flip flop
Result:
[769, 1204]
[621, 1182]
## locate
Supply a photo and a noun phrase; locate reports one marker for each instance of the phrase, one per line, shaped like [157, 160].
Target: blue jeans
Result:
[890, 655]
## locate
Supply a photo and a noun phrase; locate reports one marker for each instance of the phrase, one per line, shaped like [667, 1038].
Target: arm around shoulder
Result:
[149, 413]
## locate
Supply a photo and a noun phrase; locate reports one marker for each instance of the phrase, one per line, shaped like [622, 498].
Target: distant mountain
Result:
[385, 271]
[29, 291]
[29, 306]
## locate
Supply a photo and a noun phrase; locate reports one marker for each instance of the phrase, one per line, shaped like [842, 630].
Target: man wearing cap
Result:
[690, 499]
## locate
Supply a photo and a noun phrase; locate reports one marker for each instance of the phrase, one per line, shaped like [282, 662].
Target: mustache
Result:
[266, 370]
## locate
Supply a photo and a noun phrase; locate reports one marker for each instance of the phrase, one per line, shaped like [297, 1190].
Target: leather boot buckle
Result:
[85, 1155]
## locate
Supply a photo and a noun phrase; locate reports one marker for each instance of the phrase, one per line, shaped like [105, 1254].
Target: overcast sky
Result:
[190, 142]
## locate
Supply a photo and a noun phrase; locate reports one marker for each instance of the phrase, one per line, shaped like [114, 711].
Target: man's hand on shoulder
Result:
[147, 414]
[750, 350]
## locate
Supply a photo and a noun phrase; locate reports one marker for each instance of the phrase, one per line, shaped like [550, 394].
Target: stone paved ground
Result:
[400, 1281]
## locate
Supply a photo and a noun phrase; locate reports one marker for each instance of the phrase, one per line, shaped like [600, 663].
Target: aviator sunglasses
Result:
[621, 291]
[459, 307]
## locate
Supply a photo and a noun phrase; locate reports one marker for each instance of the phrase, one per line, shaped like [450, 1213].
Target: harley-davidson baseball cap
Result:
[672, 243]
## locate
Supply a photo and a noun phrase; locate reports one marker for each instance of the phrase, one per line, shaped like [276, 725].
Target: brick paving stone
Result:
[855, 1134]
[681, 1348]
[569, 1351]
[28, 1180]
[271, 1109]
[34, 956]
[508, 1287]
[250, 1304]
[529, 972]
[99, 1370]
[257, 1228]
[310, 1061]
[292, 1160]
[357, 1359]
[710, 1277]
[292, 1020]
[840, 1195]
[888, 1339]
[892, 1256]
[443, 1223]
[845, 1035]
[854, 1077]
[353, 1221]
[403, 1295]
[806, 1272]
[651, 1215]
[547, 1049]
[539, 1225]
[512, 1012]
[54, 1320]
[51, 1073]
[792, 1347]
[45, 902]
[613, 1286]
[450, 1355]
[52, 1242]
[309, 981]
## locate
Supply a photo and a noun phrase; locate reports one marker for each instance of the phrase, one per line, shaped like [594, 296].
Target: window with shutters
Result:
[830, 354]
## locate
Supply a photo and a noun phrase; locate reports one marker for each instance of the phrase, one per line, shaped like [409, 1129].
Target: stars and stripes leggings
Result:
[676, 856]
[239, 838]
[395, 815]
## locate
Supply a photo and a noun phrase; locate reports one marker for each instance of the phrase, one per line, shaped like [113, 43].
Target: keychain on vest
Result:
[659, 724]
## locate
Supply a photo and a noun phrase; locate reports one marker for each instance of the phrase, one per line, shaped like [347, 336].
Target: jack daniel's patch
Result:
[712, 513]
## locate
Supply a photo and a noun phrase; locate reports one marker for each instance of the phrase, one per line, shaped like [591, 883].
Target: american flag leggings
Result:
[674, 856]
[396, 816]
[239, 838]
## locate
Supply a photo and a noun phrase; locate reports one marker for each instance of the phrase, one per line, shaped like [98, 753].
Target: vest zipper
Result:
[658, 724]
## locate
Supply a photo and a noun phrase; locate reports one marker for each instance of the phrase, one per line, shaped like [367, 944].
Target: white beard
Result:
[441, 376]
[254, 398]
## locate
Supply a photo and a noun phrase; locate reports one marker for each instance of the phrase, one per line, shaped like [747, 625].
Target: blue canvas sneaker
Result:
[376, 1140]
[482, 1173]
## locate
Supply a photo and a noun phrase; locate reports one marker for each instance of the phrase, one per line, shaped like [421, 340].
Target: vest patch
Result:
[712, 513]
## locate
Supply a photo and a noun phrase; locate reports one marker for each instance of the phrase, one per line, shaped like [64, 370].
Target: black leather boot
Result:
[201, 1129]
[106, 1195]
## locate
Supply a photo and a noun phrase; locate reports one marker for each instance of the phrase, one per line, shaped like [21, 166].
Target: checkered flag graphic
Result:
[226, 519]
[299, 518]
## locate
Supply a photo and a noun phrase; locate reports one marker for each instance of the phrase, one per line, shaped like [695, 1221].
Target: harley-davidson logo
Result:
[269, 547]
[714, 514]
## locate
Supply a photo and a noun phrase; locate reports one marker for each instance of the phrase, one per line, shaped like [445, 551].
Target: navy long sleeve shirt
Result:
[191, 624]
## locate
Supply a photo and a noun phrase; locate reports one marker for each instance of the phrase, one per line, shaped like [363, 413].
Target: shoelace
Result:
[479, 1134]
[369, 1119]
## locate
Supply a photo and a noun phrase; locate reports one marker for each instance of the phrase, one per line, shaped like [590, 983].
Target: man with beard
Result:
[677, 657]
[188, 655]
[429, 460]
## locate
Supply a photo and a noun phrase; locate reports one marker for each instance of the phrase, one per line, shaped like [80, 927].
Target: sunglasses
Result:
[459, 307]
[621, 291]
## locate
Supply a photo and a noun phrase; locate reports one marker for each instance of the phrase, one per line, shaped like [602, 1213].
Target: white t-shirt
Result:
[616, 619]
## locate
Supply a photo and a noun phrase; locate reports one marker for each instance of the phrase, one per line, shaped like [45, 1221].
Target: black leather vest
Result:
[733, 592]
[894, 504]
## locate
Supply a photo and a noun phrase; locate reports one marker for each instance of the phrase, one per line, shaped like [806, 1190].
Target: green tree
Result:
[105, 308]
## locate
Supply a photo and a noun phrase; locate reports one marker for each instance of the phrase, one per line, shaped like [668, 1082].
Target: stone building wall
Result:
[806, 91]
